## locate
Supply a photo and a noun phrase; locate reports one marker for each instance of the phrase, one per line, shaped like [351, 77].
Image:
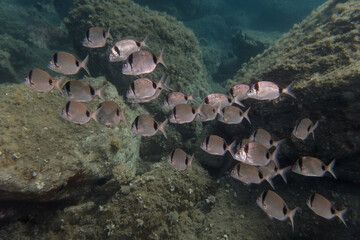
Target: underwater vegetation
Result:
[59, 180]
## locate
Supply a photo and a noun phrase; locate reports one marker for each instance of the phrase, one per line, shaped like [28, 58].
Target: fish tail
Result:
[93, 115]
[190, 98]
[291, 215]
[277, 143]
[238, 102]
[164, 83]
[330, 168]
[189, 164]
[143, 42]
[288, 91]
[341, 214]
[100, 92]
[108, 34]
[283, 172]
[162, 127]
[274, 156]
[59, 83]
[246, 115]
[312, 129]
[84, 64]
[123, 117]
[269, 180]
[230, 147]
[160, 58]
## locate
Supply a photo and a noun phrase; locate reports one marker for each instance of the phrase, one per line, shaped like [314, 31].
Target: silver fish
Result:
[275, 207]
[256, 154]
[122, 49]
[262, 136]
[183, 113]
[265, 90]
[217, 100]
[180, 160]
[77, 113]
[146, 126]
[110, 114]
[174, 98]
[304, 128]
[238, 93]
[144, 88]
[272, 170]
[216, 145]
[147, 99]
[249, 174]
[77, 90]
[42, 81]
[324, 208]
[142, 62]
[206, 113]
[313, 167]
[65, 63]
[96, 37]
[233, 115]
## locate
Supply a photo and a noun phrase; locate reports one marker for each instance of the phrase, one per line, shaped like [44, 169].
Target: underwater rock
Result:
[43, 157]
[321, 54]
[126, 19]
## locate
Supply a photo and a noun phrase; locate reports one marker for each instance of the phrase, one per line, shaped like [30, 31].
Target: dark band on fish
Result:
[50, 81]
[263, 197]
[100, 105]
[246, 148]
[67, 87]
[308, 129]
[224, 146]
[130, 59]
[88, 35]
[154, 85]
[284, 210]
[300, 163]
[257, 87]
[55, 59]
[238, 168]
[206, 100]
[137, 122]
[267, 155]
[155, 125]
[174, 112]
[271, 142]
[323, 167]
[155, 59]
[30, 75]
[132, 86]
[167, 99]
[117, 112]
[172, 155]
[332, 210]
[117, 50]
[87, 113]
[138, 44]
[67, 106]
[186, 98]
[92, 91]
[261, 175]
[311, 199]
[207, 141]
[229, 100]
[77, 63]
[186, 161]
[104, 33]
[193, 110]
[232, 92]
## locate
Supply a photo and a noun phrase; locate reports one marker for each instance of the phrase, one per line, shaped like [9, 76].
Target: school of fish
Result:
[256, 156]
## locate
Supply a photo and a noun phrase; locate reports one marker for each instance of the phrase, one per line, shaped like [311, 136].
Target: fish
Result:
[262, 136]
[142, 62]
[256, 154]
[238, 93]
[77, 113]
[304, 128]
[96, 37]
[144, 88]
[265, 90]
[217, 100]
[233, 115]
[180, 160]
[42, 81]
[65, 63]
[174, 98]
[122, 49]
[216, 145]
[146, 126]
[313, 167]
[183, 113]
[275, 207]
[77, 90]
[109, 114]
[324, 208]
[272, 170]
[206, 113]
[249, 174]
[147, 99]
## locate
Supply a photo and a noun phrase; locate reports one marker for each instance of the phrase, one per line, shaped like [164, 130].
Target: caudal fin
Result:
[291, 215]
[164, 83]
[108, 34]
[238, 102]
[189, 163]
[123, 117]
[246, 115]
[282, 172]
[330, 168]
[340, 214]
[59, 83]
[288, 91]
[160, 58]
[312, 129]
[279, 142]
[269, 180]
[274, 156]
[84, 65]
[162, 127]
[100, 92]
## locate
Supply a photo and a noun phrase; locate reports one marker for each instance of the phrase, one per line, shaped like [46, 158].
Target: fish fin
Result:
[93, 115]
[274, 157]
[312, 129]
[160, 58]
[291, 215]
[279, 142]
[108, 34]
[165, 84]
[330, 168]
[282, 172]
[230, 147]
[237, 101]
[59, 83]
[100, 92]
[84, 64]
[190, 98]
[340, 214]
[288, 91]
[269, 180]
[246, 115]
[143, 42]
[189, 164]
[123, 117]
[162, 127]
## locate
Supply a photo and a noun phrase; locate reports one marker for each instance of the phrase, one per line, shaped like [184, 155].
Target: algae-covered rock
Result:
[128, 20]
[321, 55]
[42, 155]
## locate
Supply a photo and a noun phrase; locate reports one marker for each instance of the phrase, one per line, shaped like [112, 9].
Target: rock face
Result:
[128, 20]
[321, 55]
[43, 157]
